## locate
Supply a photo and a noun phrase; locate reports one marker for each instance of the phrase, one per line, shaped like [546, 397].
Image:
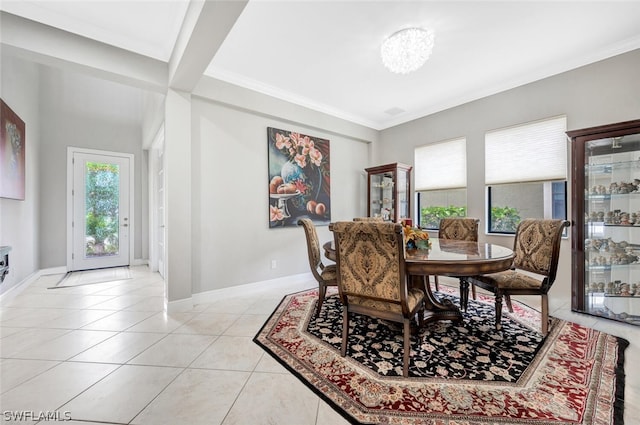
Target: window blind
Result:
[535, 151]
[441, 165]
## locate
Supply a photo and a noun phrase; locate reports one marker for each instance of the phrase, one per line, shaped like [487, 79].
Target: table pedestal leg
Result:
[436, 309]
[464, 293]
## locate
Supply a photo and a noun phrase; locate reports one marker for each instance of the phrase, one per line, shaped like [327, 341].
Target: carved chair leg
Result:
[322, 292]
[545, 314]
[435, 279]
[473, 291]
[345, 331]
[407, 347]
[498, 310]
[507, 298]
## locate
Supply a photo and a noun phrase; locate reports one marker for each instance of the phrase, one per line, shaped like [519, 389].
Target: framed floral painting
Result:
[12, 154]
[299, 178]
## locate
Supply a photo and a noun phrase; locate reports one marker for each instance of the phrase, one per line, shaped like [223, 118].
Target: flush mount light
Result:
[407, 50]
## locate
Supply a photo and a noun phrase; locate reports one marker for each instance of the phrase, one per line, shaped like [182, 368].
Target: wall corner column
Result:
[178, 200]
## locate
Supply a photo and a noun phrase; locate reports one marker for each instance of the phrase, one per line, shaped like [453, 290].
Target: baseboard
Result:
[16, 289]
[179, 306]
[53, 270]
[251, 288]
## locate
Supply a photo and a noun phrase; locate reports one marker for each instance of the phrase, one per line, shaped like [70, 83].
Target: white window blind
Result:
[531, 152]
[441, 165]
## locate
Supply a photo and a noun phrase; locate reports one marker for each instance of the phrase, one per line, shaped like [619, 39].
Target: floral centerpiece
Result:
[415, 237]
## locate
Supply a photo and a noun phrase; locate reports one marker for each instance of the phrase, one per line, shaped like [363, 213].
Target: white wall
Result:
[601, 93]
[232, 241]
[19, 227]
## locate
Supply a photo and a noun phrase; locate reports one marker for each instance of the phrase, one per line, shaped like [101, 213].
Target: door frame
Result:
[70, 151]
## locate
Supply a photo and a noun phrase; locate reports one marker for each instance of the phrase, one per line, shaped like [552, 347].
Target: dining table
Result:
[447, 257]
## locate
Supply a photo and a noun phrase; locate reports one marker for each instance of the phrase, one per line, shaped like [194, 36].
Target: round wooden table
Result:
[448, 257]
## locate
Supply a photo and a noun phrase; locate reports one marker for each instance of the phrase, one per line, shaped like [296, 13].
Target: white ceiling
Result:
[325, 54]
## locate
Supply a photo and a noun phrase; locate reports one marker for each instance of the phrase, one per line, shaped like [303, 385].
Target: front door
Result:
[101, 223]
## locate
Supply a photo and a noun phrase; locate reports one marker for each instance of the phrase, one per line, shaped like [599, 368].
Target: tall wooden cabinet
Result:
[389, 191]
[606, 218]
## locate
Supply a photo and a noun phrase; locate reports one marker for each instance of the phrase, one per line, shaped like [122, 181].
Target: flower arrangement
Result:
[415, 237]
[299, 148]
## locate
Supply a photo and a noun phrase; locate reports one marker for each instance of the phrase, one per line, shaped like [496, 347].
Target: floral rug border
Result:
[359, 401]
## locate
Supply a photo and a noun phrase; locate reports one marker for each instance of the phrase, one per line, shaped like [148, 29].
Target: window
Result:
[526, 173]
[441, 181]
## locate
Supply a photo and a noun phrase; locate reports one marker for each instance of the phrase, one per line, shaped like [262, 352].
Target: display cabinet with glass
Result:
[389, 191]
[606, 217]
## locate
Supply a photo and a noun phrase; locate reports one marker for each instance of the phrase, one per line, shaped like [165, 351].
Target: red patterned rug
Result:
[463, 373]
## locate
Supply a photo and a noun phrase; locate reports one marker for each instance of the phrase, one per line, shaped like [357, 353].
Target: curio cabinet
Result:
[606, 217]
[388, 191]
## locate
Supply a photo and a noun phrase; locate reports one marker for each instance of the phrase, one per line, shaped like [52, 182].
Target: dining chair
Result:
[371, 278]
[326, 275]
[460, 229]
[537, 249]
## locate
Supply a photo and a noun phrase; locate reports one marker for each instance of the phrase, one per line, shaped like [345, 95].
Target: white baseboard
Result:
[53, 270]
[251, 288]
[178, 306]
[16, 289]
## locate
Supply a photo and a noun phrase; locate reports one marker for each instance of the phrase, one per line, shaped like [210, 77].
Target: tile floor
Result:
[107, 353]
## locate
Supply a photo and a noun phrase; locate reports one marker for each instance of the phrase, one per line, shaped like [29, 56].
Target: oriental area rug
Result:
[465, 373]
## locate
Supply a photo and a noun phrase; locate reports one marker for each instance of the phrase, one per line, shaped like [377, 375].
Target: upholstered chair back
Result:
[370, 258]
[537, 247]
[461, 229]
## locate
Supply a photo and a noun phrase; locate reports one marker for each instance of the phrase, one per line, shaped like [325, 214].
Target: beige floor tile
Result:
[10, 313]
[120, 348]
[176, 350]
[274, 399]
[231, 353]
[208, 324]
[150, 303]
[197, 397]
[6, 331]
[119, 302]
[163, 322]
[270, 365]
[51, 389]
[65, 346]
[121, 395]
[75, 319]
[328, 416]
[119, 321]
[247, 325]
[17, 371]
[28, 337]
[39, 317]
[231, 305]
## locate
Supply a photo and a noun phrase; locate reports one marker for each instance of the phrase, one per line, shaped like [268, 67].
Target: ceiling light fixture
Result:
[407, 50]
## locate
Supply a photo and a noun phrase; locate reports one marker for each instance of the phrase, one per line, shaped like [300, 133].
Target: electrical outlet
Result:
[274, 264]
